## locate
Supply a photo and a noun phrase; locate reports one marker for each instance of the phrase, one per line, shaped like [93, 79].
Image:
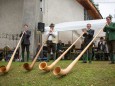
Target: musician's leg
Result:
[23, 50]
[28, 53]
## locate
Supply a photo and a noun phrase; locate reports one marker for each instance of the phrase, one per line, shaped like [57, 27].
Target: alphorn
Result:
[29, 67]
[45, 67]
[60, 72]
[5, 69]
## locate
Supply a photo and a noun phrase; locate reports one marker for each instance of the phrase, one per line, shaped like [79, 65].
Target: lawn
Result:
[99, 73]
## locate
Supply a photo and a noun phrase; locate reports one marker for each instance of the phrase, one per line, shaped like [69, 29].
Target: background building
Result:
[15, 13]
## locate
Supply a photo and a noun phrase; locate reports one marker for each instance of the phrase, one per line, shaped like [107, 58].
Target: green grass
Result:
[99, 73]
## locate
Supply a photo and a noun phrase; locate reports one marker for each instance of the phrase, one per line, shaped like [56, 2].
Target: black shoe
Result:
[84, 62]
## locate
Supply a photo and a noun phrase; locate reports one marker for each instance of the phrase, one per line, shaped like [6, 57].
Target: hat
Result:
[101, 38]
[51, 25]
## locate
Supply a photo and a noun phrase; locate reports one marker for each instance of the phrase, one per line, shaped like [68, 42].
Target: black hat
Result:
[101, 38]
[51, 25]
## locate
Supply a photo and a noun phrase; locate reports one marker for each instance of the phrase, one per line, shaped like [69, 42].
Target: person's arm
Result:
[105, 29]
[111, 27]
[98, 47]
[91, 33]
[104, 47]
[20, 34]
[85, 32]
[53, 34]
[48, 34]
[28, 34]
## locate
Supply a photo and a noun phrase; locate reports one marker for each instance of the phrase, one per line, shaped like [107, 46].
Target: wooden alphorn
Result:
[4, 69]
[45, 67]
[30, 67]
[60, 72]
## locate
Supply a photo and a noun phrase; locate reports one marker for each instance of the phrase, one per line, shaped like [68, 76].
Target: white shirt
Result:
[51, 37]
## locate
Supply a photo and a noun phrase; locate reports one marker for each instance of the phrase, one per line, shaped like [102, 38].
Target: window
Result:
[87, 16]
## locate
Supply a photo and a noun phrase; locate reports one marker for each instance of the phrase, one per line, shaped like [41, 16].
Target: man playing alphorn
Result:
[88, 36]
[25, 42]
[51, 42]
[110, 37]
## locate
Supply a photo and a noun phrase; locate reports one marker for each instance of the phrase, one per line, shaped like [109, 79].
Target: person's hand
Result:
[84, 30]
[51, 30]
[50, 33]
[107, 24]
[60, 50]
[25, 32]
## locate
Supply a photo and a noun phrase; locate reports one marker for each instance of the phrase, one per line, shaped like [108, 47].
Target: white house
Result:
[15, 13]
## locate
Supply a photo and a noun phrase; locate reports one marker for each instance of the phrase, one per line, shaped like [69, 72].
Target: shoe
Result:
[84, 62]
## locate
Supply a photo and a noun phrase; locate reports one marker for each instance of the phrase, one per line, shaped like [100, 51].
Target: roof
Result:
[90, 7]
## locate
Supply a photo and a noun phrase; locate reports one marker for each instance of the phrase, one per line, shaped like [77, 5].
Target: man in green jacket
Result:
[110, 37]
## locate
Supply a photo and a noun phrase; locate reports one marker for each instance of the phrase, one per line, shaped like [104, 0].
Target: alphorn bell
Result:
[45, 67]
[4, 69]
[60, 72]
[29, 67]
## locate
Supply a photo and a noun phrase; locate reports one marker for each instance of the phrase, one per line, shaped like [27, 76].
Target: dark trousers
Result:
[51, 48]
[25, 46]
[111, 48]
[58, 53]
[101, 55]
[88, 54]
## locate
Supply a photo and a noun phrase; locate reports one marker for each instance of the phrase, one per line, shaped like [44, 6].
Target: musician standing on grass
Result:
[25, 42]
[51, 42]
[110, 37]
[88, 36]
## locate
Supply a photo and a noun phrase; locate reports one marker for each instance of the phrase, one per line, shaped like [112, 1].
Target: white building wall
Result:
[59, 11]
[13, 15]
[10, 21]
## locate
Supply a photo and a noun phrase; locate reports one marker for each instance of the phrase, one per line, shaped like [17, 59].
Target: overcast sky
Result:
[106, 7]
